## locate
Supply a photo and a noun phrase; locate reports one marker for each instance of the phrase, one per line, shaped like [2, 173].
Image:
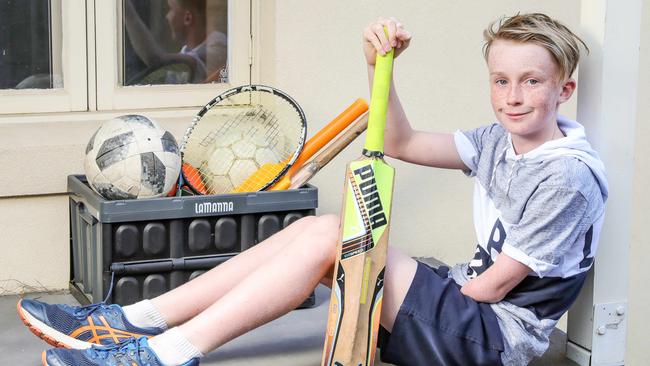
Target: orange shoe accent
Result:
[116, 335]
[51, 341]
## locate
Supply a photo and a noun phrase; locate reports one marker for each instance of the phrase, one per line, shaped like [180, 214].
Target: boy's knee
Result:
[327, 226]
[322, 235]
[305, 221]
[323, 228]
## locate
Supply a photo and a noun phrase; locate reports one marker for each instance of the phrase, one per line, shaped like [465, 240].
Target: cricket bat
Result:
[357, 286]
[307, 171]
[321, 138]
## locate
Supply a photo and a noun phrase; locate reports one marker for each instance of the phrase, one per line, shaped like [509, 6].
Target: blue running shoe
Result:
[79, 327]
[133, 352]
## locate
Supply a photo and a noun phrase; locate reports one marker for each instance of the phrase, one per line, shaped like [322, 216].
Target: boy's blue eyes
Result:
[529, 81]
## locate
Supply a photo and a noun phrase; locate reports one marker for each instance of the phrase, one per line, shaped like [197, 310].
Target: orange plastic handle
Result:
[321, 138]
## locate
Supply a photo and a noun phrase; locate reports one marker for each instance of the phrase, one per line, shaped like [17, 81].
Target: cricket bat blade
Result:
[357, 292]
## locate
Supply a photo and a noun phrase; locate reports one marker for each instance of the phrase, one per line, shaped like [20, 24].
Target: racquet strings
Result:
[243, 143]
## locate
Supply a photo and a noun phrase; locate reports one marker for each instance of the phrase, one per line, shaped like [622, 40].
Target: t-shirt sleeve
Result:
[553, 219]
[469, 145]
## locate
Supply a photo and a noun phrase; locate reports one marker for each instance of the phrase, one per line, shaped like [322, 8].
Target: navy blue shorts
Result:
[438, 325]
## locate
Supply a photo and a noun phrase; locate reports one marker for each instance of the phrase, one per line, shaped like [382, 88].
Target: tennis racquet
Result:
[238, 133]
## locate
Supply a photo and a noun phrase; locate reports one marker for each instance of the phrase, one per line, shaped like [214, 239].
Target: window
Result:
[174, 42]
[35, 74]
[152, 62]
[31, 50]
[58, 56]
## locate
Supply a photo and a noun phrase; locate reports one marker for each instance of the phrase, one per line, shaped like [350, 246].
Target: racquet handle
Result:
[379, 103]
[321, 138]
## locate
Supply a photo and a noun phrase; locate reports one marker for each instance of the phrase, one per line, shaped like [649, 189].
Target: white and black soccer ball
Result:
[132, 157]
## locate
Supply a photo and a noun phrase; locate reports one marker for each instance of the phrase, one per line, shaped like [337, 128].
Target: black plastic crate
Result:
[147, 247]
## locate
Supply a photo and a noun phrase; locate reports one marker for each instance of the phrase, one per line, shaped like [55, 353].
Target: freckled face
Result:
[526, 89]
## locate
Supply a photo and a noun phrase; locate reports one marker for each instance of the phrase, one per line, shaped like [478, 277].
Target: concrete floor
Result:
[295, 339]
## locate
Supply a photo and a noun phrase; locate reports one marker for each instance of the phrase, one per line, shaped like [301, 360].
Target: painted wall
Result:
[312, 50]
[639, 297]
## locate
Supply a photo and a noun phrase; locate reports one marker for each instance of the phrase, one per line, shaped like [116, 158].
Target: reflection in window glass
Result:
[30, 44]
[174, 41]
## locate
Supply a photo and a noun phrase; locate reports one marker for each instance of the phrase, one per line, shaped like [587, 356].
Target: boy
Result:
[539, 205]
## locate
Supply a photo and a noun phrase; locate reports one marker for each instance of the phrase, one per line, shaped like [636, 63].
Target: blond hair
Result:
[542, 30]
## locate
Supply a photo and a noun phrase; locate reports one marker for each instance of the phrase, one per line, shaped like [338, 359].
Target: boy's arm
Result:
[418, 147]
[401, 141]
[494, 284]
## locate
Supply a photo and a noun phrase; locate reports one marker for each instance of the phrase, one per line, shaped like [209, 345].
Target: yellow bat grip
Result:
[379, 102]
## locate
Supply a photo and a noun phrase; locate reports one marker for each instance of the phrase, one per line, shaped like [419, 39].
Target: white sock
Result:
[173, 348]
[144, 315]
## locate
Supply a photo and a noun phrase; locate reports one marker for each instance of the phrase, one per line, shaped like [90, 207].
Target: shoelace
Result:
[83, 311]
[501, 157]
[130, 347]
[514, 171]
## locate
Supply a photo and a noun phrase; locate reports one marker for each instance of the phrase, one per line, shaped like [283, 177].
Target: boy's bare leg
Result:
[277, 285]
[282, 283]
[400, 271]
[188, 300]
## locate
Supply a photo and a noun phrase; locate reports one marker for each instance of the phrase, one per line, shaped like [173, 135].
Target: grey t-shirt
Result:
[543, 209]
